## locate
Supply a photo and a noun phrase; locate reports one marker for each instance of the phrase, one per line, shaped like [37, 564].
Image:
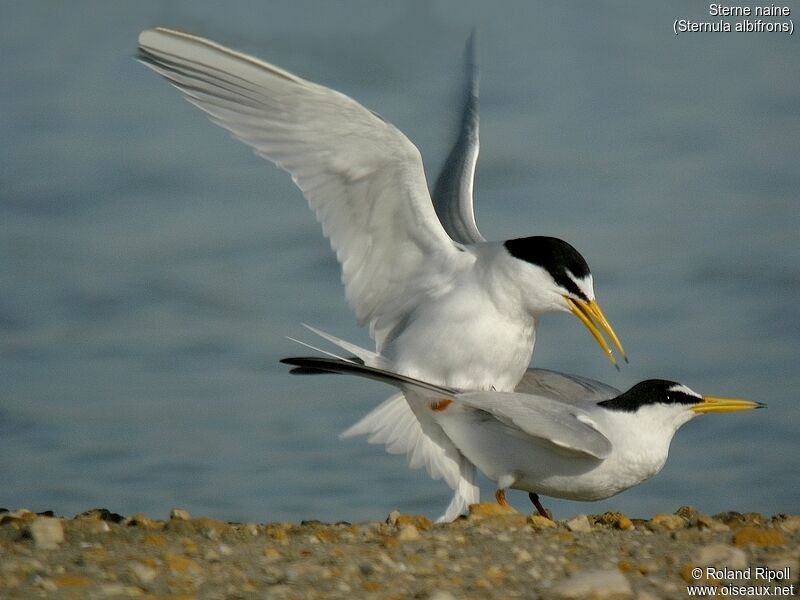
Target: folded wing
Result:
[564, 426]
[572, 389]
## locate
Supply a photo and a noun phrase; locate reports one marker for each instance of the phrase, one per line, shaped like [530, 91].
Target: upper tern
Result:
[443, 306]
[576, 447]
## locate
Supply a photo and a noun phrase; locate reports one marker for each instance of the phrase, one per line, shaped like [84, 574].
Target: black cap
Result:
[555, 256]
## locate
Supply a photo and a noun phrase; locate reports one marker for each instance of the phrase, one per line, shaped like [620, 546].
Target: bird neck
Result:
[499, 276]
[641, 439]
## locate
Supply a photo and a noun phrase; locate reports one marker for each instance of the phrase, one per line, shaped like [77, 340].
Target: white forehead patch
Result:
[585, 284]
[685, 390]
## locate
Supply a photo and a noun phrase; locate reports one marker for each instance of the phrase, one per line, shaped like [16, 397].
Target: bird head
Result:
[672, 401]
[642, 422]
[558, 279]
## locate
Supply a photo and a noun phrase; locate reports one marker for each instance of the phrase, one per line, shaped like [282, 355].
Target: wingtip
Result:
[153, 32]
[147, 36]
[293, 361]
[472, 39]
[307, 365]
[471, 60]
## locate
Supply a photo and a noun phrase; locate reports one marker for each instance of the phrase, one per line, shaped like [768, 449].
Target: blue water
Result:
[151, 266]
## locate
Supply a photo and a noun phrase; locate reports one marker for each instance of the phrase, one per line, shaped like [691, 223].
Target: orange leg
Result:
[440, 405]
[500, 495]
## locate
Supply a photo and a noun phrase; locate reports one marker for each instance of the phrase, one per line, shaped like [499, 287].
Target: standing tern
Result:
[578, 447]
[457, 311]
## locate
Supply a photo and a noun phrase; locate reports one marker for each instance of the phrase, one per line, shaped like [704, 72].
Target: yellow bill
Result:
[590, 314]
[711, 404]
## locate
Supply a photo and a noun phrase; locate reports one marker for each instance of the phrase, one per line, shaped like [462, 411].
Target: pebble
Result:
[98, 527]
[47, 533]
[22, 514]
[180, 514]
[522, 556]
[144, 522]
[418, 521]
[100, 514]
[597, 584]
[737, 519]
[181, 564]
[720, 555]
[623, 523]
[613, 519]
[408, 533]
[540, 522]
[144, 573]
[579, 524]
[758, 536]
[706, 522]
[441, 595]
[493, 516]
[225, 550]
[690, 513]
[490, 509]
[668, 522]
[790, 524]
[494, 573]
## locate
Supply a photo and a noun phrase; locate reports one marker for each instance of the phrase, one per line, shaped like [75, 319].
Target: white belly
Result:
[503, 453]
[463, 344]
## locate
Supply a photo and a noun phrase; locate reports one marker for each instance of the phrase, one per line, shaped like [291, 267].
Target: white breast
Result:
[462, 340]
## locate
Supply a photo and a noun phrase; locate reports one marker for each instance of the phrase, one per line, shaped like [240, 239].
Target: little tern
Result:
[577, 447]
[442, 304]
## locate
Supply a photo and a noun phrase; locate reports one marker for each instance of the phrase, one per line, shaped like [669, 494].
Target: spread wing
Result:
[452, 194]
[560, 424]
[360, 174]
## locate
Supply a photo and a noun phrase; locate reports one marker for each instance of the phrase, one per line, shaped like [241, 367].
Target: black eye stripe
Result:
[569, 284]
[556, 256]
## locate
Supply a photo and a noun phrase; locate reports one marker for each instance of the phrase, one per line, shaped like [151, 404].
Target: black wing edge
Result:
[307, 365]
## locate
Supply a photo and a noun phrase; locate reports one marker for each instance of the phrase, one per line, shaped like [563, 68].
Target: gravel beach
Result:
[495, 552]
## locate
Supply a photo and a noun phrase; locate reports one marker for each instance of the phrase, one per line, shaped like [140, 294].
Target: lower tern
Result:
[576, 448]
[442, 304]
